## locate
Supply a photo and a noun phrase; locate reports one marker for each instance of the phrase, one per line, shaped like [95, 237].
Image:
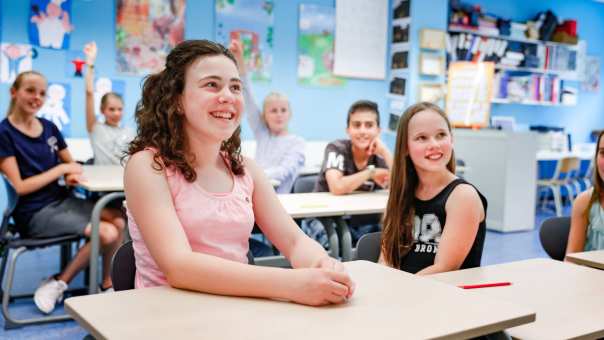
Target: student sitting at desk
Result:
[193, 199]
[587, 220]
[360, 163]
[279, 153]
[434, 221]
[34, 156]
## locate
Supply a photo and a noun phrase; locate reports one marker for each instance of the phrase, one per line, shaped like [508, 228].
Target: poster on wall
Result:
[14, 59]
[469, 93]
[251, 22]
[103, 85]
[146, 31]
[57, 107]
[591, 78]
[315, 46]
[49, 23]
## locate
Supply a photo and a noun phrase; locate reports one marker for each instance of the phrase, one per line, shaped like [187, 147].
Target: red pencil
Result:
[485, 285]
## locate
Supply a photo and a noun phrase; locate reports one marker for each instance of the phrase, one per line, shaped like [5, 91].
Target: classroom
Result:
[271, 169]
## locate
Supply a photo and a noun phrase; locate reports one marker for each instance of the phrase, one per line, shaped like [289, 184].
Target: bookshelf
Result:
[528, 71]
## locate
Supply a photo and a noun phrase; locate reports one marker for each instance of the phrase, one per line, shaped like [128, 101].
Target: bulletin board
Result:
[469, 93]
[360, 39]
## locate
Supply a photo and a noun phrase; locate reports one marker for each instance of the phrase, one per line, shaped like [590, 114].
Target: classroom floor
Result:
[33, 267]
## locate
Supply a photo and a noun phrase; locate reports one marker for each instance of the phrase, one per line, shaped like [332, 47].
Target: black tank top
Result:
[428, 225]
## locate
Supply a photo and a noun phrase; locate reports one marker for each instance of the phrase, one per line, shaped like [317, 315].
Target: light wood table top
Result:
[388, 304]
[594, 259]
[320, 204]
[101, 178]
[568, 299]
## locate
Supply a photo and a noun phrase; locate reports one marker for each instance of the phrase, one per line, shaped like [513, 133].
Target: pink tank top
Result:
[216, 224]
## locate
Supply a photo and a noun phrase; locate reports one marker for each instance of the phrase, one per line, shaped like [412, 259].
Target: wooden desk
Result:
[388, 304]
[568, 299]
[320, 204]
[594, 259]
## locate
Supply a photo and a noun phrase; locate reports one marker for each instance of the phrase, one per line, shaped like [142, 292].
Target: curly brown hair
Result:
[158, 113]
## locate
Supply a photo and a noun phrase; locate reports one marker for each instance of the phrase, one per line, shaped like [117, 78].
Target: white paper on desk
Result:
[360, 39]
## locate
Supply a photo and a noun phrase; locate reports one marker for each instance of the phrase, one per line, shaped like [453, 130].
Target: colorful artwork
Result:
[50, 24]
[103, 85]
[251, 22]
[57, 106]
[14, 59]
[146, 32]
[315, 46]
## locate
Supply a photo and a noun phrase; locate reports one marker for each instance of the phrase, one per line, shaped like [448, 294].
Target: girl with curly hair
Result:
[193, 199]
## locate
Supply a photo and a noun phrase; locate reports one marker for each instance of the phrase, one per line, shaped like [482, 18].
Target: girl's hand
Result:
[71, 168]
[73, 179]
[330, 263]
[319, 286]
[237, 49]
[90, 51]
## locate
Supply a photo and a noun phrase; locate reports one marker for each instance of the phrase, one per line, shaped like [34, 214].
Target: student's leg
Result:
[108, 234]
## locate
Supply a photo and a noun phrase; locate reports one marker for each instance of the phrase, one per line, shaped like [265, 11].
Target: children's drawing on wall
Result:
[57, 107]
[103, 85]
[315, 46]
[251, 22]
[50, 24]
[591, 79]
[74, 64]
[146, 32]
[15, 58]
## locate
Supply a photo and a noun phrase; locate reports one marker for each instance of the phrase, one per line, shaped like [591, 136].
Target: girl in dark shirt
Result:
[434, 221]
[33, 156]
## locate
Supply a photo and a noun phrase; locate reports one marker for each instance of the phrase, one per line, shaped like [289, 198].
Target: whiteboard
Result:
[360, 39]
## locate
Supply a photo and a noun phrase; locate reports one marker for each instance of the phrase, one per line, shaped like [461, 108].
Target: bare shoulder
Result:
[464, 197]
[582, 200]
[141, 164]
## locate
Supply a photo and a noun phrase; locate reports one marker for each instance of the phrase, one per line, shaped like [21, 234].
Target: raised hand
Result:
[90, 51]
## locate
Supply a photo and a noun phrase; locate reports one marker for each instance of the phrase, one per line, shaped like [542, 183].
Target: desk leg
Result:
[332, 236]
[346, 239]
[95, 221]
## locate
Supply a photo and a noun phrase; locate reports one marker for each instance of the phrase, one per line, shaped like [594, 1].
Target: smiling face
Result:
[212, 101]
[28, 94]
[112, 110]
[429, 141]
[276, 114]
[362, 128]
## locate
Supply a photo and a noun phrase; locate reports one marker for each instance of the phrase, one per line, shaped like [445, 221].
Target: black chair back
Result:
[305, 184]
[11, 204]
[123, 267]
[554, 236]
[368, 247]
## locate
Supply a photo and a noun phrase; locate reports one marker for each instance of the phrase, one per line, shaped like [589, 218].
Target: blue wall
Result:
[318, 113]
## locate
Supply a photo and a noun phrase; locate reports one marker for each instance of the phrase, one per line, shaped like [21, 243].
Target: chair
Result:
[554, 236]
[13, 245]
[304, 184]
[565, 168]
[368, 247]
[123, 267]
